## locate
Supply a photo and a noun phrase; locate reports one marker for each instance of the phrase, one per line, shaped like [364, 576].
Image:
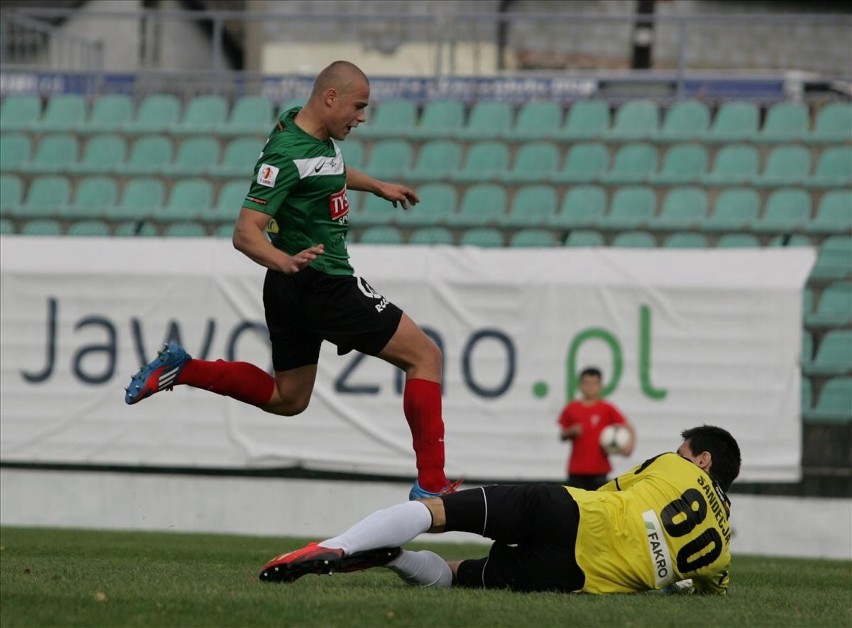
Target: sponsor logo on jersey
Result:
[661, 561]
[254, 199]
[266, 175]
[322, 166]
[271, 226]
[338, 204]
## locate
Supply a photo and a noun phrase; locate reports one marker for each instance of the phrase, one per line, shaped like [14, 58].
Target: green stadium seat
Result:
[195, 156]
[239, 159]
[189, 200]
[584, 238]
[42, 227]
[835, 258]
[635, 120]
[485, 161]
[534, 162]
[537, 120]
[786, 165]
[16, 150]
[734, 164]
[632, 207]
[785, 122]
[786, 210]
[584, 163]
[185, 229]
[834, 404]
[685, 120]
[532, 237]
[295, 101]
[437, 205]
[55, 153]
[46, 197]
[156, 113]
[735, 209]
[435, 161]
[250, 115]
[203, 114]
[353, 153]
[431, 236]
[20, 112]
[148, 155]
[790, 240]
[483, 237]
[582, 206]
[833, 124]
[738, 241]
[807, 300]
[62, 114]
[7, 227]
[634, 240]
[489, 119]
[835, 307]
[354, 197]
[834, 213]
[136, 228]
[225, 230]
[482, 204]
[138, 199]
[734, 122]
[586, 120]
[806, 396]
[93, 198]
[440, 119]
[109, 114]
[389, 159]
[100, 155]
[532, 206]
[381, 234]
[686, 240]
[375, 211]
[833, 168]
[89, 228]
[832, 354]
[633, 163]
[682, 164]
[393, 119]
[683, 208]
[11, 194]
[228, 202]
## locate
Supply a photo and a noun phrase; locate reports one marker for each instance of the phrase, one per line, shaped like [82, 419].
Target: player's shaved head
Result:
[341, 76]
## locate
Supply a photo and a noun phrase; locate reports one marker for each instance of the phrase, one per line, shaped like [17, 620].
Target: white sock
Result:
[391, 527]
[425, 569]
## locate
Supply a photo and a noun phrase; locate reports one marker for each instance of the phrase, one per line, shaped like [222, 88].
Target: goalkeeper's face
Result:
[347, 109]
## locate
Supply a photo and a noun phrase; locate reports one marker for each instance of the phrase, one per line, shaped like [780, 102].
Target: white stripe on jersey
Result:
[320, 166]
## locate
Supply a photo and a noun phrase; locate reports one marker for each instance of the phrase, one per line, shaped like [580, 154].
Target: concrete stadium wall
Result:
[775, 526]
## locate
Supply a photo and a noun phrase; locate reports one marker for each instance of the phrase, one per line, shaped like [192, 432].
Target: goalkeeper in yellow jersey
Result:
[664, 522]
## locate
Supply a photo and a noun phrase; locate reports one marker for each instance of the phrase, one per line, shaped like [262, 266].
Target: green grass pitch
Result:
[109, 578]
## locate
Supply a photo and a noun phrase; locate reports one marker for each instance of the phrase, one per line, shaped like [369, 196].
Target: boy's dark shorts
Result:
[304, 309]
[534, 527]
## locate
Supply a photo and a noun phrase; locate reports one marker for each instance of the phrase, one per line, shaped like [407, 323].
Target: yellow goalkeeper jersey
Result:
[659, 523]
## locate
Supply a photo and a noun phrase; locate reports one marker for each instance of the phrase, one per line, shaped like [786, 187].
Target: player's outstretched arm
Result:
[393, 192]
[250, 239]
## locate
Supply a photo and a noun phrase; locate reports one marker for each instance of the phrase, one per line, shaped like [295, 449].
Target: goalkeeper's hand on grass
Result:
[684, 587]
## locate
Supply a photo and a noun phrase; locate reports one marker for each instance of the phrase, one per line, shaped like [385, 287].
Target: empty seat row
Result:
[831, 355]
[592, 119]
[585, 119]
[834, 404]
[832, 309]
[93, 227]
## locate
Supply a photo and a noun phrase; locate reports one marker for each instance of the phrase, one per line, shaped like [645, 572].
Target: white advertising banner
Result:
[683, 338]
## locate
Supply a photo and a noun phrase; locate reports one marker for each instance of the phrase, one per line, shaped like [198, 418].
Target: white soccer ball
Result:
[614, 438]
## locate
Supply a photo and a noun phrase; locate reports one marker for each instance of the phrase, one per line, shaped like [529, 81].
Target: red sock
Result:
[240, 380]
[421, 403]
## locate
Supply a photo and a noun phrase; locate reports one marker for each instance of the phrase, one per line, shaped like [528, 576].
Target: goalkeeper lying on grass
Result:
[657, 525]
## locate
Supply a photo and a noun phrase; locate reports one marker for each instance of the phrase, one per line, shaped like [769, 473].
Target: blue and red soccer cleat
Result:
[321, 560]
[417, 492]
[160, 374]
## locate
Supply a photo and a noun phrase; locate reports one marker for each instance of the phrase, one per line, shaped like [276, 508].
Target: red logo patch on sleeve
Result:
[338, 204]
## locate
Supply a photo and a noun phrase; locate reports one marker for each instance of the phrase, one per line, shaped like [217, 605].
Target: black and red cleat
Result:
[319, 560]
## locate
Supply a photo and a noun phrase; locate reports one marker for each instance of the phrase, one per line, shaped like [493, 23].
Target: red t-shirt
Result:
[587, 457]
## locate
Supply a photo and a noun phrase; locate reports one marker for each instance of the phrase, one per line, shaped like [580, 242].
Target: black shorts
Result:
[534, 527]
[304, 309]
